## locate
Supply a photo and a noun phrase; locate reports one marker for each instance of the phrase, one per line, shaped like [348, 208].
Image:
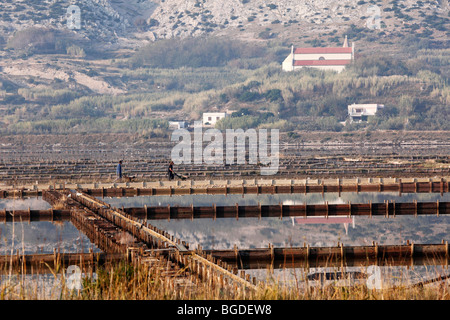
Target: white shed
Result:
[360, 112]
[210, 118]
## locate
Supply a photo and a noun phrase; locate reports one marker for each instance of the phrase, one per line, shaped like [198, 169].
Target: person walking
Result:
[170, 171]
[119, 170]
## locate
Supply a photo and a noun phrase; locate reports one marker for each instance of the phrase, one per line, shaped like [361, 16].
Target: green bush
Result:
[248, 96]
[147, 126]
[36, 39]
[47, 95]
[193, 52]
[273, 95]
[75, 51]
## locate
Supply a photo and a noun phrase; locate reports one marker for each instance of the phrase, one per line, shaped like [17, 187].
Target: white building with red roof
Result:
[334, 58]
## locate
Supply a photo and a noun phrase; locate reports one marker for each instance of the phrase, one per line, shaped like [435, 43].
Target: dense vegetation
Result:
[194, 53]
[173, 79]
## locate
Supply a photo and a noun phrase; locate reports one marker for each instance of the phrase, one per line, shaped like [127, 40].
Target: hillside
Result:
[128, 22]
[133, 65]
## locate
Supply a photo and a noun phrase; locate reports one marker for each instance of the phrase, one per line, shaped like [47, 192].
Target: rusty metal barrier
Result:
[389, 209]
[386, 209]
[289, 257]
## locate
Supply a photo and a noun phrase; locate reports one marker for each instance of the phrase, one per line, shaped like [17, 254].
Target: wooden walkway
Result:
[239, 186]
[107, 227]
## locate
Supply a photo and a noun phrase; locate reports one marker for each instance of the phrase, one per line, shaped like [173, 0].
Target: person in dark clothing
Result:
[170, 172]
[119, 170]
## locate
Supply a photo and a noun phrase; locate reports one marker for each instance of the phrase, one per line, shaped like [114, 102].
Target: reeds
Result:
[125, 281]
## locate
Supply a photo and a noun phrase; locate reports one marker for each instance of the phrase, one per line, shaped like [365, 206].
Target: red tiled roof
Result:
[321, 62]
[322, 50]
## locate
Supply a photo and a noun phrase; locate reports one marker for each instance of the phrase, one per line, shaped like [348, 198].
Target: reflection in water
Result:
[375, 277]
[43, 286]
[266, 199]
[24, 204]
[42, 237]
[254, 233]
[39, 236]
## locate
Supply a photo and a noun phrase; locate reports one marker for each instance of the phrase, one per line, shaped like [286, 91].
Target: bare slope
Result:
[127, 22]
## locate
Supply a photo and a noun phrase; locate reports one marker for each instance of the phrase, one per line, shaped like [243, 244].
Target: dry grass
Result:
[124, 281]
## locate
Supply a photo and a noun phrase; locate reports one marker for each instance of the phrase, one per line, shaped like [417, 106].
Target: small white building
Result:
[178, 124]
[334, 58]
[210, 118]
[360, 112]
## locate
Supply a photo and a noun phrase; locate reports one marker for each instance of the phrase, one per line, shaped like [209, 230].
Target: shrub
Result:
[75, 51]
[248, 96]
[193, 52]
[273, 95]
[37, 39]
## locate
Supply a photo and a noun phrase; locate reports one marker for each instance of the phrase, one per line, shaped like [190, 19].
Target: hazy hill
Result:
[129, 66]
[126, 22]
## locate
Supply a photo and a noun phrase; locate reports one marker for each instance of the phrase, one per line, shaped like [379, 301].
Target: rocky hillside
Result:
[125, 65]
[131, 21]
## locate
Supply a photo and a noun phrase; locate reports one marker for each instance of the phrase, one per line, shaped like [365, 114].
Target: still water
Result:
[245, 232]
[266, 199]
[254, 233]
[43, 237]
[39, 236]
